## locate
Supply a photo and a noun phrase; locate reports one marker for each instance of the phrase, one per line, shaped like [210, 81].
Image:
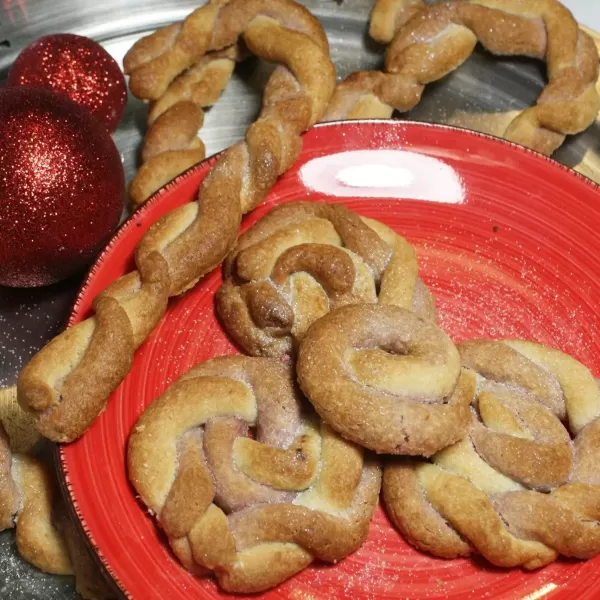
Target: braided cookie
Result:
[26, 496]
[69, 381]
[253, 511]
[386, 379]
[517, 489]
[171, 144]
[304, 259]
[46, 536]
[439, 38]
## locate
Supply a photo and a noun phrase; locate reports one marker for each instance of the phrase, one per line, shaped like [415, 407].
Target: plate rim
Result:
[156, 198]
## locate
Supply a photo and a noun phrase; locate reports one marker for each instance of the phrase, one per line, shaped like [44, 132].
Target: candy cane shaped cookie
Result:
[27, 495]
[437, 39]
[66, 385]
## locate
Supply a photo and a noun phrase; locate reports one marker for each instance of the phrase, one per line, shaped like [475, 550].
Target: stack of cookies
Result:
[257, 465]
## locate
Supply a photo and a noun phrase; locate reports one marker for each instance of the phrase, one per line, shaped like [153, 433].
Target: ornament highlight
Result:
[78, 68]
[62, 187]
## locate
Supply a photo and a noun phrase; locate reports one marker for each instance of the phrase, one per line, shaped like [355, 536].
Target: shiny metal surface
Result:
[482, 95]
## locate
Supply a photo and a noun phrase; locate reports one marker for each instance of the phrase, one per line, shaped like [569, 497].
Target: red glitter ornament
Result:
[62, 187]
[77, 67]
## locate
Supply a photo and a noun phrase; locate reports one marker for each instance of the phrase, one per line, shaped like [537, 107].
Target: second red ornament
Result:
[76, 67]
[62, 187]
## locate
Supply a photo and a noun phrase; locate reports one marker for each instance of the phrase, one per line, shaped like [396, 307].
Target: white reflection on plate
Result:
[384, 174]
[543, 591]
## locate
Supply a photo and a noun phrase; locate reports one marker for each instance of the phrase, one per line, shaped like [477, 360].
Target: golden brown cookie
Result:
[520, 488]
[171, 143]
[27, 495]
[30, 501]
[253, 511]
[426, 42]
[304, 259]
[386, 379]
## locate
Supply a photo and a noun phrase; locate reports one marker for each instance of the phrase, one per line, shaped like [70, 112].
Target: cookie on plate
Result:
[304, 259]
[253, 511]
[386, 379]
[521, 488]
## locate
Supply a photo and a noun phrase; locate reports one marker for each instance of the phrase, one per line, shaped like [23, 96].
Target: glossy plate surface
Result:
[507, 241]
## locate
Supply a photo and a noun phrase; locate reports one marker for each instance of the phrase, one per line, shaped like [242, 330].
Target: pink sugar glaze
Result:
[384, 174]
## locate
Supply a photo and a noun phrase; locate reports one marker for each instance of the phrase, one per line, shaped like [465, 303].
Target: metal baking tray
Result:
[483, 94]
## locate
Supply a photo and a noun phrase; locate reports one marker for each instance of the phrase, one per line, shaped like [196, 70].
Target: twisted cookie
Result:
[386, 379]
[46, 536]
[69, 381]
[437, 39]
[171, 144]
[26, 497]
[306, 258]
[517, 488]
[253, 511]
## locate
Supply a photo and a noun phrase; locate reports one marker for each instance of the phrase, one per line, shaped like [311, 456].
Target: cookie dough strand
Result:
[388, 16]
[9, 496]
[69, 381]
[171, 143]
[439, 38]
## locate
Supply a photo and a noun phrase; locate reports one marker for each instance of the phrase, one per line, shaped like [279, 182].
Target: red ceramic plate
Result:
[507, 241]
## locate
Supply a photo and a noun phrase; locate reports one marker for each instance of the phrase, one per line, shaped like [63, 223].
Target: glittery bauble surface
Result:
[77, 67]
[62, 187]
